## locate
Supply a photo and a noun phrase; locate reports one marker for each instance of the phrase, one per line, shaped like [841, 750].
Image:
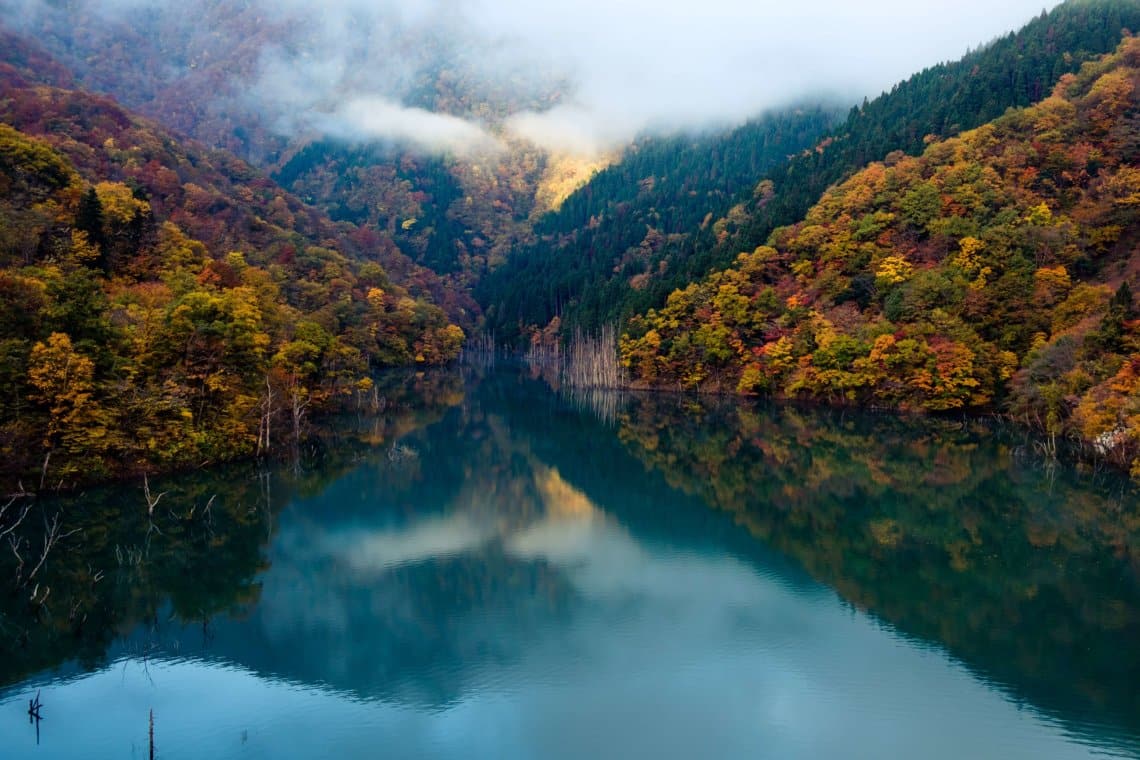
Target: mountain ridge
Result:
[993, 269]
[941, 100]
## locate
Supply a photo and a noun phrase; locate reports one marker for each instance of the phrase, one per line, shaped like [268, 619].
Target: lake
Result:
[493, 569]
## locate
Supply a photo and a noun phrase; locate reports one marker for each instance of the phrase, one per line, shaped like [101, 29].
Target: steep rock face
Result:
[992, 269]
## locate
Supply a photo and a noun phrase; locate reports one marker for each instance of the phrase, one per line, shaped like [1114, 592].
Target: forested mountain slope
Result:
[593, 257]
[200, 68]
[993, 269]
[162, 305]
[567, 275]
[232, 202]
[457, 217]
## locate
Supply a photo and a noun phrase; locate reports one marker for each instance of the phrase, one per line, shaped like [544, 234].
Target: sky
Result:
[637, 65]
[618, 68]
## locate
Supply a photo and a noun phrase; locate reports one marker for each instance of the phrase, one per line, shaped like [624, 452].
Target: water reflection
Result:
[515, 577]
[944, 529]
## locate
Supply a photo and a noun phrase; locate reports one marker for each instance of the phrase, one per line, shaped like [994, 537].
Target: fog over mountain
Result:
[578, 76]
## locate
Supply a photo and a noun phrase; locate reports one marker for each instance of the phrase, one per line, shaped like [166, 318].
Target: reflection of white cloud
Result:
[560, 539]
[603, 560]
[672, 654]
[680, 654]
[666, 651]
[374, 550]
[318, 573]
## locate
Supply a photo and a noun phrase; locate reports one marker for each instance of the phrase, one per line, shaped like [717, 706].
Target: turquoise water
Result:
[506, 572]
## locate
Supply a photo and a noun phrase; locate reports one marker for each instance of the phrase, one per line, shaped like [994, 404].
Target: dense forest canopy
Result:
[165, 306]
[992, 269]
[595, 257]
[170, 304]
[570, 274]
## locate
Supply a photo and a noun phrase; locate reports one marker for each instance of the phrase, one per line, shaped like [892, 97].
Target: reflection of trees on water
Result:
[932, 525]
[114, 567]
[405, 577]
[417, 581]
[391, 575]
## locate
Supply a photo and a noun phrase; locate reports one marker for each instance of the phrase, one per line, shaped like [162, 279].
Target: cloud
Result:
[569, 129]
[578, 75]
[664, 65]
[380, 119]
[655, 65]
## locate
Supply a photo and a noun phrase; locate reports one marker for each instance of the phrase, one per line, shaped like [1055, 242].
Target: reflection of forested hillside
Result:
[113, 569]
[406, 567]
[936, 527]
[415, 558]
[404, 579]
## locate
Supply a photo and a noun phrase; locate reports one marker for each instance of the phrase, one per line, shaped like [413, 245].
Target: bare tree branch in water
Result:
[15, 542]
[151, 501]
[52, 536]
[15, 524]
[400, 452]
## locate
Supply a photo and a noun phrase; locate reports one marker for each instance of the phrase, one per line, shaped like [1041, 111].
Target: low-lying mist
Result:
[456, 75]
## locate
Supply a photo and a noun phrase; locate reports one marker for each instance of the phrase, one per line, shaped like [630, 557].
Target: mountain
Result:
[458, 217]
[163, 305]
[593, 258]
[587, 285]
[227, 74]
[991, 271]
[207, 306]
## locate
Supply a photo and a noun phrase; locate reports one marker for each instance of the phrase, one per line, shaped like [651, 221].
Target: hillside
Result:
[459, 217]
[204, 69]
[991, 271]
[593, 258]
[588, 285]
[166, 306]
[244, 205]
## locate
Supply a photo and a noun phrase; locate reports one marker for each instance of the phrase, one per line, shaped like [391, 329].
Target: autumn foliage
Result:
[161, 306]
[989, 272]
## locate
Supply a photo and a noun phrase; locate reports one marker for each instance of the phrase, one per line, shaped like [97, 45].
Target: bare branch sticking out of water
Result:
[589, 372]
[592, 361]
[23, 513]
[52, 536]
[151, 501]
[480, 351]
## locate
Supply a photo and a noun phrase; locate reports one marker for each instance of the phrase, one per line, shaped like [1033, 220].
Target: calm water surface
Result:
[502, 572]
